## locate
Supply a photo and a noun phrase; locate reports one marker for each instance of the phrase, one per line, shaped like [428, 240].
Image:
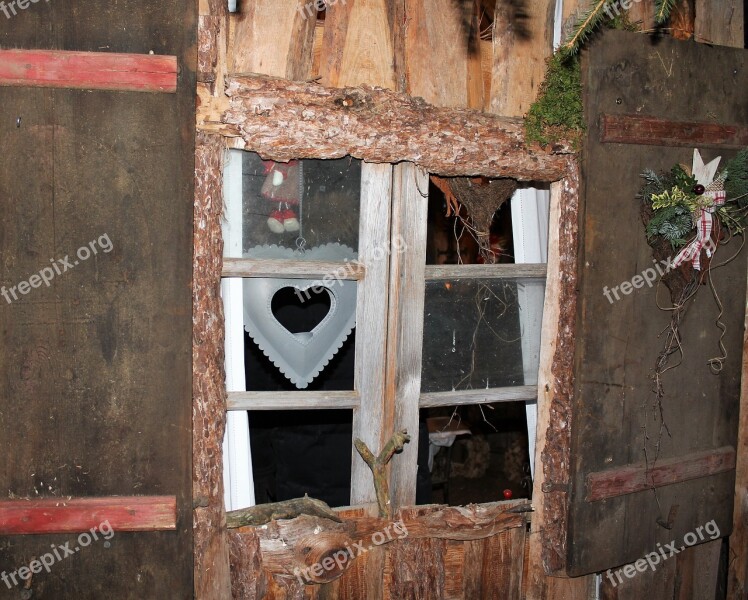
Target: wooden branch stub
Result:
[288, 509]
[284, 120]
[378, 466]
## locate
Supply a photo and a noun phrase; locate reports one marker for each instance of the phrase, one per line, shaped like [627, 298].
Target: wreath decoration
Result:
[692, 212]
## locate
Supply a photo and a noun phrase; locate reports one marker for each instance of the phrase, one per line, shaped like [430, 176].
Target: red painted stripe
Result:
[60, 515]
[88, 70]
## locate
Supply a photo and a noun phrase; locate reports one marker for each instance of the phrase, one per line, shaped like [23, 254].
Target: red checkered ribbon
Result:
[703, 239]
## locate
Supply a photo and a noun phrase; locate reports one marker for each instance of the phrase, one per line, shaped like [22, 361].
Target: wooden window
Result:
[404, 307]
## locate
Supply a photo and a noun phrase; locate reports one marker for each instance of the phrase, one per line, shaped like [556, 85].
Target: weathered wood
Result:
[522, 41]
[211, 551]
[498, 271]
[503, 557]
[248, 579]
[618, 342]
[652, 583]
[697, 572]
[292, 269]
[720, 22]
[443, 73]
[299, 400]
[371, 322]
[64, 515]
[405, 325]
[88, 70]
[653, 131]
[635, 478]
[287, 509]
[547, 543]
[378, 126]
[378, 465]
[642, 12]
[489, 396]
[357, 45]
[738, 564]
[272, 37]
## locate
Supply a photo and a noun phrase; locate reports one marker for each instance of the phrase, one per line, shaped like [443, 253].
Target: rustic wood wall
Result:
[406, 46]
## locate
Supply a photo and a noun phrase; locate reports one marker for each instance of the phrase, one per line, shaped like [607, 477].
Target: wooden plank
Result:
[405, 327]
[272, 37]
[292, 269]
[720, 22]
[651, 583]
[357, 45]
[653, 131]
[293, 401]
[618, 344]
[472, 569]
[442, 53]
[738, 567]
[371, 323]
[88, 70]
[630, 479]
[381, 126]
[438, 272]
[642, 12]
[503, 557]
[72, 515]
[522, 41]
[698, 575]
[461, 397]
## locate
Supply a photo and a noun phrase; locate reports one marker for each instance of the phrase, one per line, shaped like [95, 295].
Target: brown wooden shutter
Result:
[96, 194]
[696, 96]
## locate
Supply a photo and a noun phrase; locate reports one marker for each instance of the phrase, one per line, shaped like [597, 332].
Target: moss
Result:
[557, 113]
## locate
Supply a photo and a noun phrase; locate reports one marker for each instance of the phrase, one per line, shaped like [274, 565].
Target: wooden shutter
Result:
[648, 103]
[97, 106]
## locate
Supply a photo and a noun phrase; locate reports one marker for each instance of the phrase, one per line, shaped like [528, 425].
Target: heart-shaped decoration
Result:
[300, 356]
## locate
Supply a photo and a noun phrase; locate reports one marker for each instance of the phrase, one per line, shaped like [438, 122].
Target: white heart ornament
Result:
[300, 356]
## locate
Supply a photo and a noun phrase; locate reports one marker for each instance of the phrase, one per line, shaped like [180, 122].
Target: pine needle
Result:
[663, 8]
[586, 24]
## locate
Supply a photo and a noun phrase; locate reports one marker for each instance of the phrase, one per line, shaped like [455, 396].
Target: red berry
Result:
[508, 494]
[698, 189]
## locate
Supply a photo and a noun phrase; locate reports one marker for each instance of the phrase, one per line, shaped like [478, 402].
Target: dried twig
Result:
[378, 465]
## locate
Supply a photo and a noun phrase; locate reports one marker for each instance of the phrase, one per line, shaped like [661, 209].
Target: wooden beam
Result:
[636, 478]
[88, 70]
[651, 131]
[405, 327]
[519, 393]
[62, 515]
[380, 126]
[292, 269]
[294, 401]
[720, 22]
[500, 271]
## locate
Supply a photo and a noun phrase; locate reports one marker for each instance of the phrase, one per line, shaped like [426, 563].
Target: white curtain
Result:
[237, 455]
[530, 209]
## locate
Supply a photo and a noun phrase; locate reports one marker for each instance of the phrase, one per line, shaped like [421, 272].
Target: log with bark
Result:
[284, 120]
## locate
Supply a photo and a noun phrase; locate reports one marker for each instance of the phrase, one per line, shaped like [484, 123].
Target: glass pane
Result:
[481, 333]
[302, 452]
[299, 204]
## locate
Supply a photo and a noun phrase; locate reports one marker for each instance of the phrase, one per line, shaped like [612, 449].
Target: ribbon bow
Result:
[702, 217]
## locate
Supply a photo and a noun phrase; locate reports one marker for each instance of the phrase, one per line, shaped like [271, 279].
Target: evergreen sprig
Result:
[663, 8]
[586, 23]
[736, 185]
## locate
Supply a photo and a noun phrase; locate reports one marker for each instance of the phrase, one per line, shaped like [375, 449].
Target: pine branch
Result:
[663, 8]
[586, 24]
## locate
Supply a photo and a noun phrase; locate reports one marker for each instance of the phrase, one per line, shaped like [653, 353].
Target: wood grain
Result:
[357, 45]
[488, 396]
[522, 41]
[298, 400]
[67, 515]
[292, 269]
[635, 478]
[498, 271]
[272, 37]
[653, 131]
[720, 22]
[88, 70]
[405, 326]
[371, 323]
